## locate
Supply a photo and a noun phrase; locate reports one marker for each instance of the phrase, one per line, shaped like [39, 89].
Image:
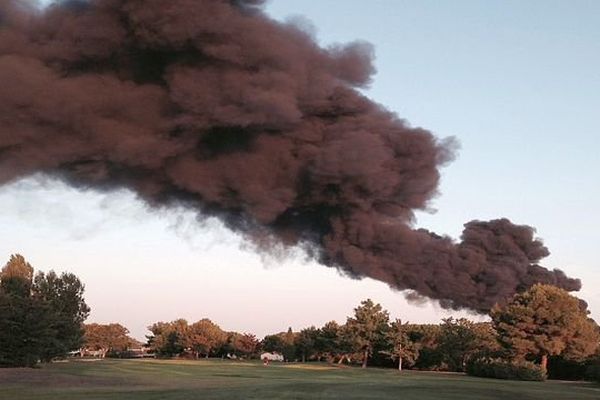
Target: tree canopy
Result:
[545, 321]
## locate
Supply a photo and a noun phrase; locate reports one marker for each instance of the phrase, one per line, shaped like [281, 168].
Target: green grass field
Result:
[178, 380]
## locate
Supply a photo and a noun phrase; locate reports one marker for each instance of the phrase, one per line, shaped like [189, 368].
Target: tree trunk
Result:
[399, 363]
[365, 358]
[544, 363]
[206, 355]
[303, 357]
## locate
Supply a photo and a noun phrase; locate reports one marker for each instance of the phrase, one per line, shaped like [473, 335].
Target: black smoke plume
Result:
[213, 104]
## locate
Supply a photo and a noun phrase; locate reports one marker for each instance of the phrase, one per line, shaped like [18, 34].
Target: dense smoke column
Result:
[212, 104]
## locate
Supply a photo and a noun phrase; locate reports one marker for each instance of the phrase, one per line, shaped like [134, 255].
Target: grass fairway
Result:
[178, 380]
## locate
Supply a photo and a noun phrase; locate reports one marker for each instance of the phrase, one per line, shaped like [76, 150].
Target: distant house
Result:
[271, 356]
[85, 352]
[141, 352]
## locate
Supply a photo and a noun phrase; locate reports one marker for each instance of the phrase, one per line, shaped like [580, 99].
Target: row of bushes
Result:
[527, 371]
[522, 371]
[574, 370]
[592, 372]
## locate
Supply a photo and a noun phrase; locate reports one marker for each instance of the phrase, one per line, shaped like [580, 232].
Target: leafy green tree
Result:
[306, 343]
[488, 345]
[273, 343]
[399, 346]
[20, 343]
[460, 340]
[107, 338]
[24, 329]
[64, 296]
[169, 339]
[244, 345]
[367, 328]
[40, 319]
[545, 321]
[205, 336]
[328, 341]
[425, 337]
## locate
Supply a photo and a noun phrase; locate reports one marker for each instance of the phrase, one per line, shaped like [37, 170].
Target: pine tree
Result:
[460, 340]
[546, 321]
[306, 342]
[367, 328]
[400, 347]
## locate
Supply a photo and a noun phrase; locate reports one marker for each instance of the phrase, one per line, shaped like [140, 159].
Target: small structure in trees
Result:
[267, 357]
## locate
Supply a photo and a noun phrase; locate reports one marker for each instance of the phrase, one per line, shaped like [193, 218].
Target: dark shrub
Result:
[429, 359]
[564, 369]
[521, 371]
[592, 372]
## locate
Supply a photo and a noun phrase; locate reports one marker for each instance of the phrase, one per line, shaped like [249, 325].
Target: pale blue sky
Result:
[518, 83]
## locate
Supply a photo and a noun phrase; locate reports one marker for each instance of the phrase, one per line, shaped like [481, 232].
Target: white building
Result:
[271, 356]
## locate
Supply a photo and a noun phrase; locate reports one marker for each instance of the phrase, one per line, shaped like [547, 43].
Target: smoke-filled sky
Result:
[515, 84]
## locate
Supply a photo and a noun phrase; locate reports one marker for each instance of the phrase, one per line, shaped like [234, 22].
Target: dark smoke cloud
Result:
[212, 104]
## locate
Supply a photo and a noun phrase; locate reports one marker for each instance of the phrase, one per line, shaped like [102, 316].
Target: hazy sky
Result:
[518, 83]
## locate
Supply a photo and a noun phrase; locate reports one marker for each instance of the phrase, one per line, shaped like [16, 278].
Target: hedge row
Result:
[593, 372]
[522, 371]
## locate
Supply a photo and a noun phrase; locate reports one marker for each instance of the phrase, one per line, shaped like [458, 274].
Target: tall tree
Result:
[40, 319]
[306, 341]
[367, 328]
[399, 346]
[24, 327]
[545, 321]
[289, 345]
[16, 347]
[243, 344]
[64, 296]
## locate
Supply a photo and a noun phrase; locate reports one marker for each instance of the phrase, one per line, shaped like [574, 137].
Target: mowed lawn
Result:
[215, 379]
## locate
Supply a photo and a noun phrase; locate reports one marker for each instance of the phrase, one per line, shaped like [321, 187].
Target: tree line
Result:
[542, 330]
[541, 324]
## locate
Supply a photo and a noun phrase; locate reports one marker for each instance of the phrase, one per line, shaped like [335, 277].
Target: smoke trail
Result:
[212, 104]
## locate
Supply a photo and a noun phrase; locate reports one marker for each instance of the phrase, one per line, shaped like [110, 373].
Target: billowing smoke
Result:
[212, 104]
